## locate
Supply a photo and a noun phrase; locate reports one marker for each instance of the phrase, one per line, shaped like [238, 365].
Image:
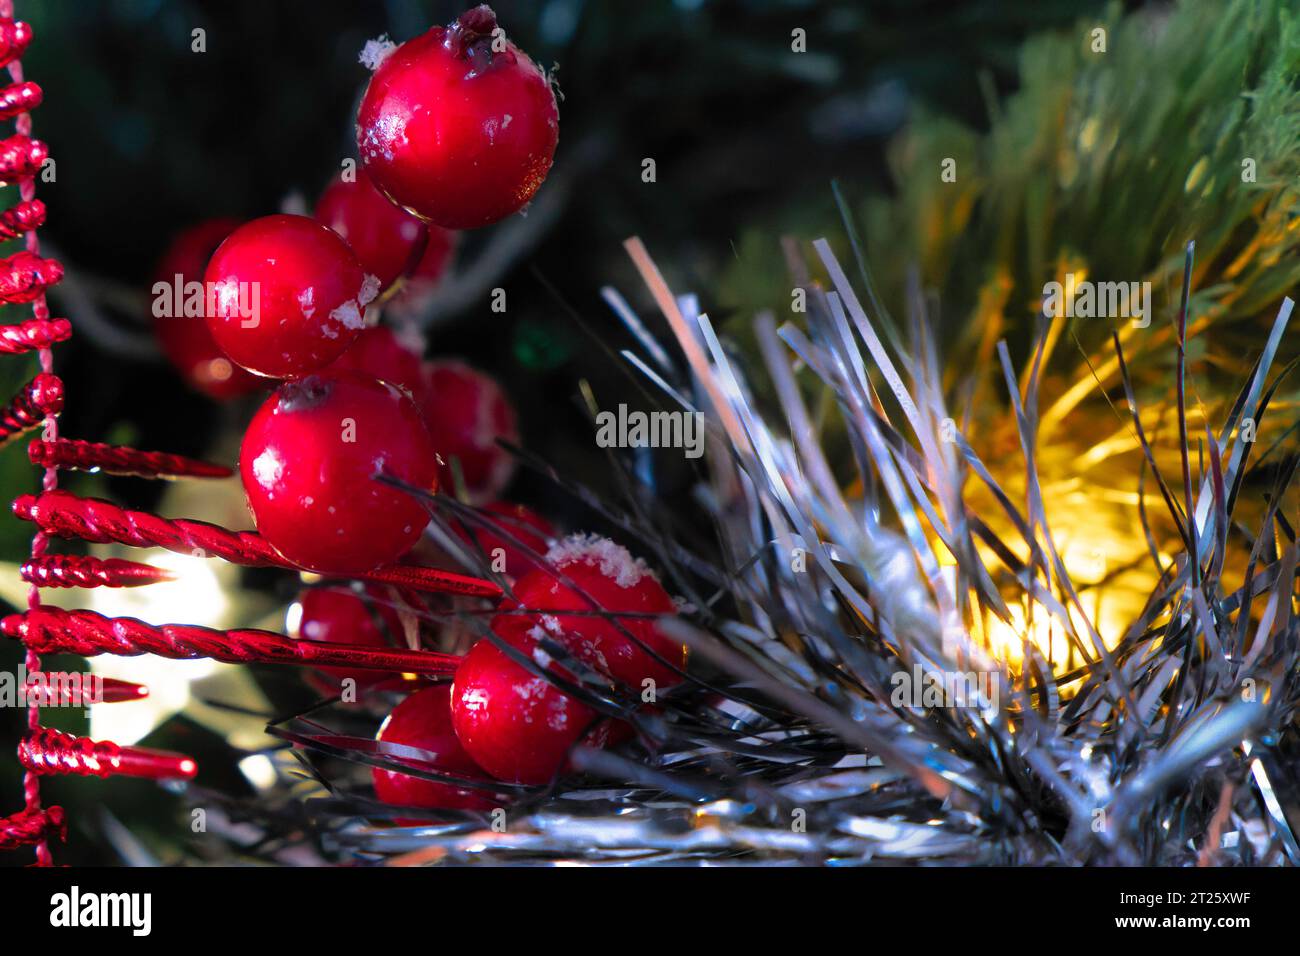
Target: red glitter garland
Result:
[23, 279]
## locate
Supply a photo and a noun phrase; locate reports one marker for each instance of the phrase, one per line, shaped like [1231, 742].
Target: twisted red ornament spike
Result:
[73, 571]
[19, 98]
[40, 397]
[63, 689]
[32, 826]
[49, 751]
[75, 455]
[93, 519]
[33, 334]
[21, 158]
[14, 37]
[432, 579]
[27, 215]
[50, 630]
[24, 277]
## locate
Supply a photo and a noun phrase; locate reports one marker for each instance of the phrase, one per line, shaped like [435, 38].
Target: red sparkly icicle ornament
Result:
[51, 751]
[59, 689]
[74, 571]
[28, 827]
[93, 519]
[51, 630]
[33, 335]
[36, 402]
[73, 455]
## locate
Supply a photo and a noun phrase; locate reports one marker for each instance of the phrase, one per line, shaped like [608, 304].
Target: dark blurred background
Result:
[150, 137]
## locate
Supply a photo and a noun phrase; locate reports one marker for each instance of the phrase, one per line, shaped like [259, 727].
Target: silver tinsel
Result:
[1165, 743]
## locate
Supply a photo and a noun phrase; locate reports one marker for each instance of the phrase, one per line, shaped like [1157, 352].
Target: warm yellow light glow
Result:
[195, 597]
[259, 770]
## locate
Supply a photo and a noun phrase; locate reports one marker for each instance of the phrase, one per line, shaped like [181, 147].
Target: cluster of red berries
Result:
[499, 719]
[457, 129]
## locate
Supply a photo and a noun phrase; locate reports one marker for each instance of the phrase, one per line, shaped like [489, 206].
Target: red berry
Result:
[455, 132]
[513, 723]
[466, 411]
[608, 577]
[184, 337]
[339, 614]
[423, 720]
[290, 296]
[380, 353]
[385, 238]
[309, 462]
[521, 523]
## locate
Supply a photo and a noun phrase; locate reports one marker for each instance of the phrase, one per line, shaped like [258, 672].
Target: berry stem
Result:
[471, 27]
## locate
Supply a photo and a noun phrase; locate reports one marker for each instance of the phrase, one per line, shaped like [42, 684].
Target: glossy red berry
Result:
[289, 296]
[385, 238]
[183, 331]
[513, 723]
[531, 531]
[344, 614]
[423, 720]
[605, 578]
[454, 131]
[309, 463]
[378, 351]
[466, 411]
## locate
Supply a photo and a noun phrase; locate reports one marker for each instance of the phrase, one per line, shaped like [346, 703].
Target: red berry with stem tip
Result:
[378, 351]
[609, 586]
[344, 614]
[506, 521]
[459, 126]
[309, 464]
[289, 296]
[466, 412]
[184, 337]
[385, 238]
[423, 720]
[515, 724]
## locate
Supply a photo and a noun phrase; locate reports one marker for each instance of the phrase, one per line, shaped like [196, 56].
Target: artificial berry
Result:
[182, 331]
[342, 614]
[379, 352]
[515, 724]
[458, 133]
[423, 720]
[466, 411]
[309, 463]
[386, 239]
[608, 585]
[289, 296]
[533, 532]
